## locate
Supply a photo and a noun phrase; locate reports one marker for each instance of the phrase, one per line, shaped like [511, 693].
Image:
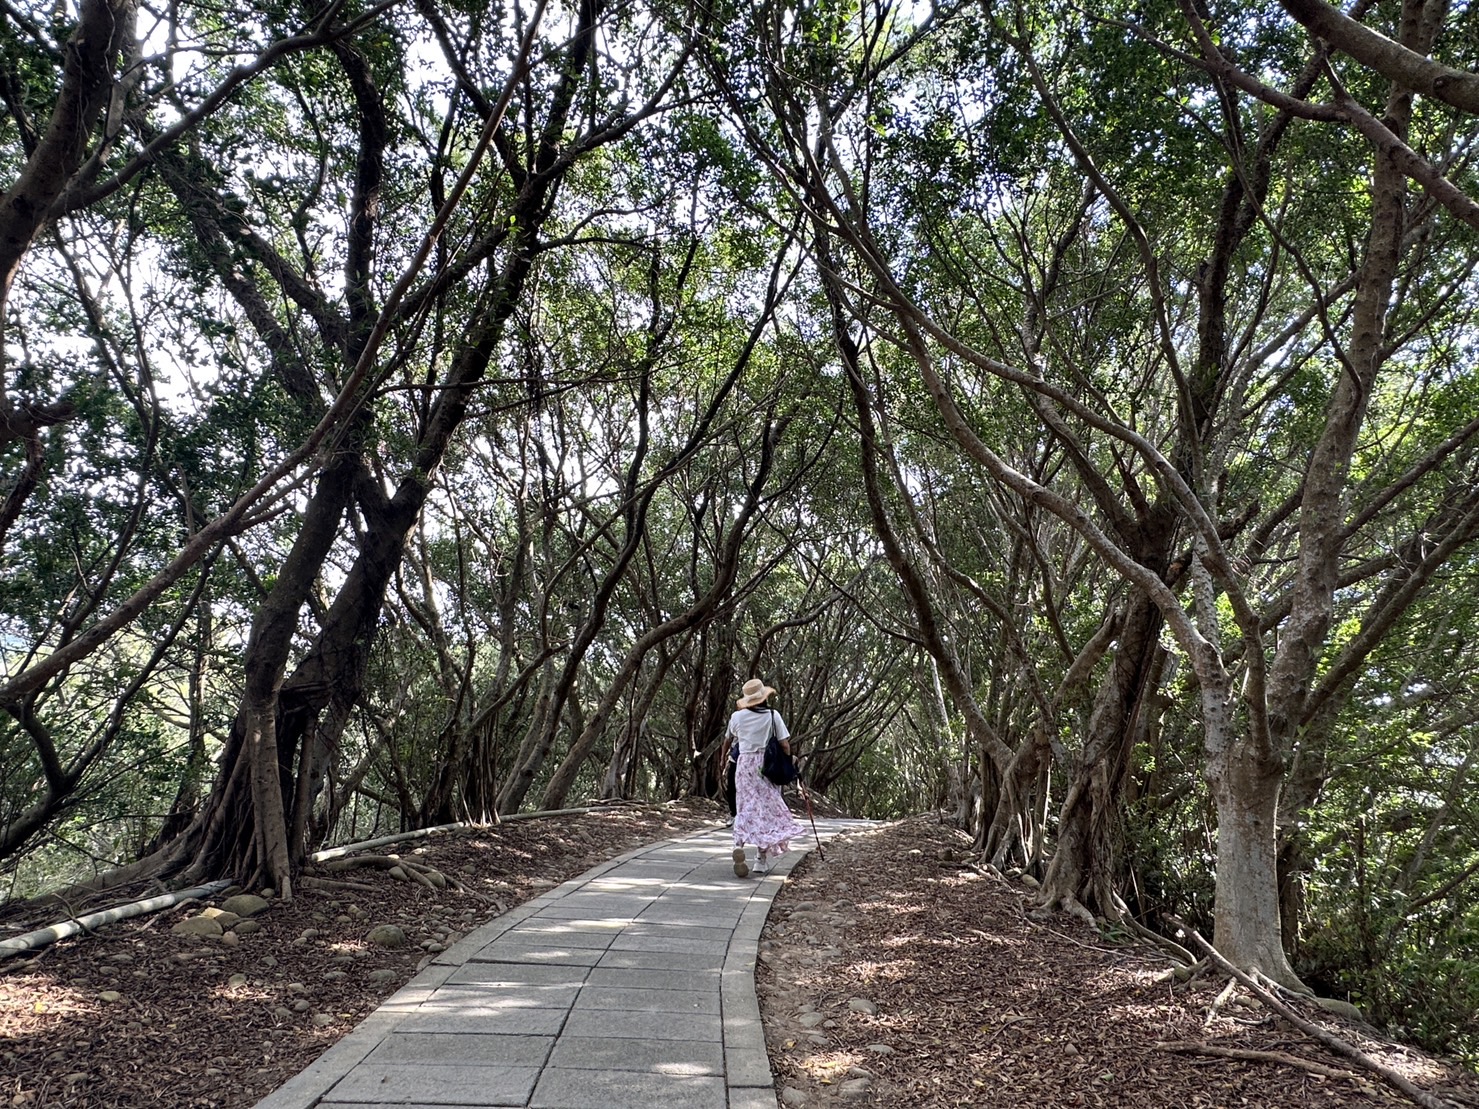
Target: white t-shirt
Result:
[752, 729]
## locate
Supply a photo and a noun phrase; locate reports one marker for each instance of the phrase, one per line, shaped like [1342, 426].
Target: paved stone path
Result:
[629, 987]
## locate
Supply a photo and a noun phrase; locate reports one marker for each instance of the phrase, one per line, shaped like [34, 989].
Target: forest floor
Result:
[887, 977]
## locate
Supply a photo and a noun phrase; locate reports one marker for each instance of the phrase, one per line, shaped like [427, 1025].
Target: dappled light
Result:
[512, 426]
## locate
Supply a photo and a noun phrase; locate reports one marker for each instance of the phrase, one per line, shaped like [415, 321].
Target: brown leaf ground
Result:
[977, 1006]
[181, 1035]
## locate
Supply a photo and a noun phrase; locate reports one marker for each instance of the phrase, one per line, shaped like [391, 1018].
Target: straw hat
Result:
[755, 693]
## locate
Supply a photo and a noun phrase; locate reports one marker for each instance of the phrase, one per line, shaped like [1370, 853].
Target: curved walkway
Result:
[632, 985]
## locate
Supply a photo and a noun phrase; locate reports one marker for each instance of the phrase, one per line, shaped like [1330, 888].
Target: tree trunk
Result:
[1083, 867]
[1245, 790]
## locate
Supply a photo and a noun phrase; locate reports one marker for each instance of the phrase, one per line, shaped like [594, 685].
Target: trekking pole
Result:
[806, 796]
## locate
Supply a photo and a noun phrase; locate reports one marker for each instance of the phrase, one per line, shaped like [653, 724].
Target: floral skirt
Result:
[761, 817]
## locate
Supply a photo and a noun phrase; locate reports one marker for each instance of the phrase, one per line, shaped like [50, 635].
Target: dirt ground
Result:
[887, 978]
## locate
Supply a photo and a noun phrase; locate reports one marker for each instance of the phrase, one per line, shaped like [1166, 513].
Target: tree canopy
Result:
[417, 412]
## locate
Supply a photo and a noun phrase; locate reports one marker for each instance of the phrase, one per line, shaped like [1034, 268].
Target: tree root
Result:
[1165, 943]
[334, 884]
[1222, 999]
[1189, 1048]
[413, 872]
[1329, 1039]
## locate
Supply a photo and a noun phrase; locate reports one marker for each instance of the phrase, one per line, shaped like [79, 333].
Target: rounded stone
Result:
[387, 935]
[245, 904]
[197, 926]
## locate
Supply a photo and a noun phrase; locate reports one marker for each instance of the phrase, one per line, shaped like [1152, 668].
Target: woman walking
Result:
[761, 816]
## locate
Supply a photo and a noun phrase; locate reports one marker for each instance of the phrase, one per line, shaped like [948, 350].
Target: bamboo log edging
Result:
[43, 937]
[421, 833]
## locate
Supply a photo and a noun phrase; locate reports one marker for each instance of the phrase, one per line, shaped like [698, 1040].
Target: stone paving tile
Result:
[662, 960]
[654, 1001]
[566, 937]
[604, 909]
[514, 995]
[556, 926]
[397, 1084]
[527, 951]
[477, 970]
[648, 979]
[625, 1053]
[675, 943]
[602, 995]
[627, 1024]
[585, 1089]
[716, 933]
[752, 1098]
[453, 1017]
[438, 1048]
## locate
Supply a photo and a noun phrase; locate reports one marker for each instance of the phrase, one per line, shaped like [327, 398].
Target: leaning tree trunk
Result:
[307, 713]
[1082, 872]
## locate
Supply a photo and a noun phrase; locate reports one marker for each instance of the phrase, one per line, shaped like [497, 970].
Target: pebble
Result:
[855, 1088]
[792, 1096]
[237, 980]
[879, 1049]
[810, 1020]
[862, 1005]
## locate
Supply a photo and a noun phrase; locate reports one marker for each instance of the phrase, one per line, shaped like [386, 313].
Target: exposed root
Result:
[1249, 1055]
[310, 882]
[1329, 1039]
[1222, 999]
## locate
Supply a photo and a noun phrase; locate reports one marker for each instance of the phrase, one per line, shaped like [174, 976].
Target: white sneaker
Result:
[762, 865]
